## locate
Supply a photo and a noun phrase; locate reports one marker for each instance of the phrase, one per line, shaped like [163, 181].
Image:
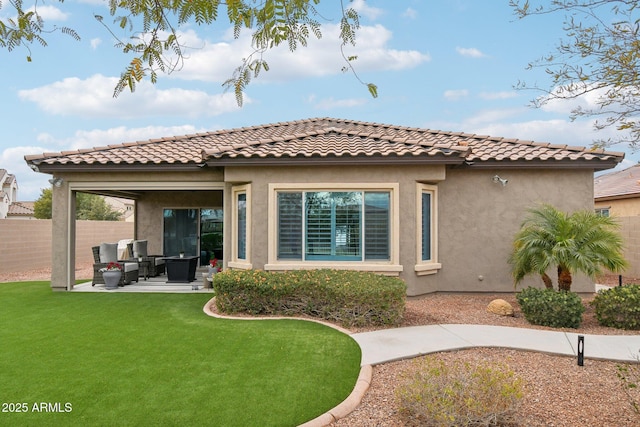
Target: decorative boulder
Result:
[500, 307]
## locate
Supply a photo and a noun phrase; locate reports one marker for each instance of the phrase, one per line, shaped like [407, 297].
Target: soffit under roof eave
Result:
[616, 197]
[596, 165]
[136, 167]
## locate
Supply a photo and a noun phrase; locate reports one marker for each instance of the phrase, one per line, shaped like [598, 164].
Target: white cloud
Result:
[488, 116]
[455, 95]
[215, 62]
[50, 13]
[95, 43]
[490, 96]
[365, 10]
[93, 97]
[585, 101]
[515, 123]
[470, 52]
[30, 183]
[121, 134]
[330, 103]
[410, 13]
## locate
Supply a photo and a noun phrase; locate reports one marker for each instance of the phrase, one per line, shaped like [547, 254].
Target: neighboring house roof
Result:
[329, 141]
[21, 209]
[622, 184]
[6, 179]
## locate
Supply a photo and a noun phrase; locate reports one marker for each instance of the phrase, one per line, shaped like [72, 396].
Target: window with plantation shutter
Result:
[333, 225]
[289, 225]
[376, 226]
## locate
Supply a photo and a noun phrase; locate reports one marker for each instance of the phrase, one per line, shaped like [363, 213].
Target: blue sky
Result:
[444, 64]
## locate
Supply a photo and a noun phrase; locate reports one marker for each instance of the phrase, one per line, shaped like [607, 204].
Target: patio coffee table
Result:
[181, 269]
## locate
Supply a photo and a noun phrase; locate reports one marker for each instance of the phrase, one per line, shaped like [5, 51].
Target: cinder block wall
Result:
[26, 245]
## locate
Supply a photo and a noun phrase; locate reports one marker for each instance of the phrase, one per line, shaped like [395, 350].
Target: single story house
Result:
[618, 193]
[438, 209]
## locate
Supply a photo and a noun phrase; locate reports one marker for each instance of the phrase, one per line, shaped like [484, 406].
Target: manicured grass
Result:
[157, 359]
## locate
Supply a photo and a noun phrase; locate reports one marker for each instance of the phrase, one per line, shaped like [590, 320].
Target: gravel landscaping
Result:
[557, 391]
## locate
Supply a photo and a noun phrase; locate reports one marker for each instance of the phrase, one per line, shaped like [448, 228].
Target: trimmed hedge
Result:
[618, 307]
[548, 307]
[350, 298]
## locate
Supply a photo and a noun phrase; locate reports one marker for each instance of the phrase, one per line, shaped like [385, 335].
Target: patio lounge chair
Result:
[106, 253]
[156, 262]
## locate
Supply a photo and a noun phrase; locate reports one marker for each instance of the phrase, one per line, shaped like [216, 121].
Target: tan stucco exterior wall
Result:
[477, 218]
[621, 207]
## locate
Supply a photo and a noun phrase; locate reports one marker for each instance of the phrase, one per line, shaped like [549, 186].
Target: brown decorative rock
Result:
[500, 307]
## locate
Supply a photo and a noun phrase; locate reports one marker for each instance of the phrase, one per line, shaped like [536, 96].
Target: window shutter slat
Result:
[289, 225]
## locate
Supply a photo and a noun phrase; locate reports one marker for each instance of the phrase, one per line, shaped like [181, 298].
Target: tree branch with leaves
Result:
[599, 56]
[150, 33]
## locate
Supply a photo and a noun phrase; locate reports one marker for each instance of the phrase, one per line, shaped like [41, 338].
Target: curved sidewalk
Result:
[402, 343]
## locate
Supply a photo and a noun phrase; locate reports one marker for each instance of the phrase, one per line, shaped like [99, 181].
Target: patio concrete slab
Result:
[149, 286]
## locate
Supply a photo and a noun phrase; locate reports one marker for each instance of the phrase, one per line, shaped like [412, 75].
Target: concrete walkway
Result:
[403, 343]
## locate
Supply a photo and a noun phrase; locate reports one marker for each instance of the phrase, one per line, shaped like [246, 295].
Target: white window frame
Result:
[235, 262]
[430, 266]
[391, 266]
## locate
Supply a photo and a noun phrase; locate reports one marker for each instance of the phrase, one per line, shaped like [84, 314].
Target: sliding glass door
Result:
[196, 232]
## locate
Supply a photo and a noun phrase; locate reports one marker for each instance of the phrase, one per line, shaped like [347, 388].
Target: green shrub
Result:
[548, 307]
[618, 307]
[459, 394]
[349, 298]
[629, 376]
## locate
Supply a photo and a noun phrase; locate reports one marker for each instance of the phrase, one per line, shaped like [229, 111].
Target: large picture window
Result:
[333, 225]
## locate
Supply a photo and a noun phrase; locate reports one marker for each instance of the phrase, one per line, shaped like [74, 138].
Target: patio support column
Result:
[63, 238]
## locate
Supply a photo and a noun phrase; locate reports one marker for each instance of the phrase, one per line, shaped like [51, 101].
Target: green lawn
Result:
[157, 359]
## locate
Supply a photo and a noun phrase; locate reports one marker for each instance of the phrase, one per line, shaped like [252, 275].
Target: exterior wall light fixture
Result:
[496, 179]
[56, 182]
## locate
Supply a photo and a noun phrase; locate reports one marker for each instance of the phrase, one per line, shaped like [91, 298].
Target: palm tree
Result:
[583, 241]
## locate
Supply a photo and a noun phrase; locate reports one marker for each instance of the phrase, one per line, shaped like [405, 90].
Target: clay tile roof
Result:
[620, 184]
[325, 139]
[21, 209]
